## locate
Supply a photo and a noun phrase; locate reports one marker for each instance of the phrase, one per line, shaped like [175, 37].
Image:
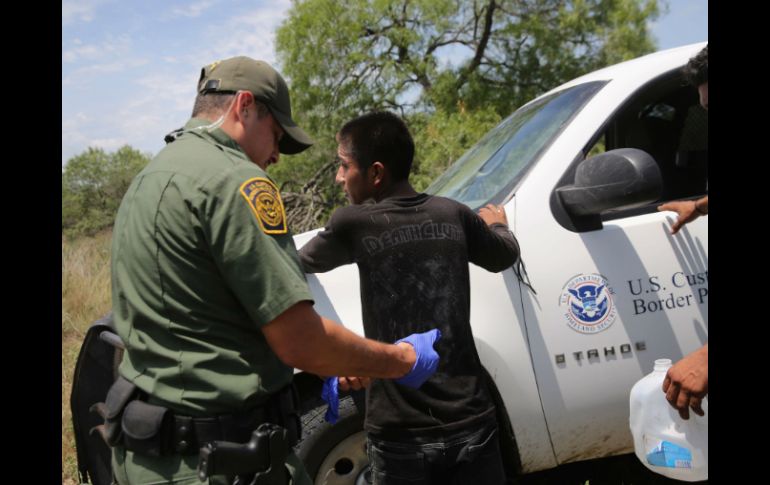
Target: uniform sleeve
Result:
[494, 247]
[328, 249]
[247, 233]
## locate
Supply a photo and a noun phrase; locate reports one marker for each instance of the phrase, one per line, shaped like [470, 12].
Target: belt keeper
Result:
[183, 434]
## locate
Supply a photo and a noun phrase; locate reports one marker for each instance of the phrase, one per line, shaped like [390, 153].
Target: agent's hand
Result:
[493, 214]
[426, 363]
[687, 383]
[685, 210]
[354, 383]
[330, 394]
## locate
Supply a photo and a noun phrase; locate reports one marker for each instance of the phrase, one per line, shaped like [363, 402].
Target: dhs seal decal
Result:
[587, 303]
[265, 201]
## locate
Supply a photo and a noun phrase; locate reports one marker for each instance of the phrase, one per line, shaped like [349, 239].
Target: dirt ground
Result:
[616, 470]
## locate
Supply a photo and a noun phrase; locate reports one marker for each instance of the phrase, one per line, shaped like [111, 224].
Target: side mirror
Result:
[618, 179]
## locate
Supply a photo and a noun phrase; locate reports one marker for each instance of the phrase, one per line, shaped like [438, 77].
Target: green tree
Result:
[442, 137]
[93, 184]
[452, 68]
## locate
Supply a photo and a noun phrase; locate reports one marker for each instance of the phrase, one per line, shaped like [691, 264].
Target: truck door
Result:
[610, 300]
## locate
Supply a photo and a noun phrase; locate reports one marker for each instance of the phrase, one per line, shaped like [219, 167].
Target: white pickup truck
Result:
[580, 171]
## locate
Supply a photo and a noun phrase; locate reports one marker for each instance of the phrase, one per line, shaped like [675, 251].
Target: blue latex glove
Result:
[427, 358]
[331, 395]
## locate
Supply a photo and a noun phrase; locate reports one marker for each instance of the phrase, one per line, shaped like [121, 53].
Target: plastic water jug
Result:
[664, 442]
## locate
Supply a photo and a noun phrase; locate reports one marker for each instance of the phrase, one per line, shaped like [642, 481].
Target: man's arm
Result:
[303, 339]
[687, 382]
[686, 210]
[325, 251]
[491, 244]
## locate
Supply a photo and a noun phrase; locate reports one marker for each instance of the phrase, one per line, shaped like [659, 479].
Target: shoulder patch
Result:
[265, 201]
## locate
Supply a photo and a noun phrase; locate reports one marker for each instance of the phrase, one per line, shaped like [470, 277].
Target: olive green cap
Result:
[264, 82]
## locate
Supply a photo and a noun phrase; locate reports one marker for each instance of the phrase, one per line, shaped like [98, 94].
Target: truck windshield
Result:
[491, 168]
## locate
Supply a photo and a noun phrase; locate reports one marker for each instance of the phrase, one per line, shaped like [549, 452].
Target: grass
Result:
[85, 298]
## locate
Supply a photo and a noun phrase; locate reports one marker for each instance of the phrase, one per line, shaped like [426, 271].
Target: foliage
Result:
[93, 184]
[443, 137]
[450, 67]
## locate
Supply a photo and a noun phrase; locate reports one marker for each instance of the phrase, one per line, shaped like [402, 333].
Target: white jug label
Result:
[666, 454]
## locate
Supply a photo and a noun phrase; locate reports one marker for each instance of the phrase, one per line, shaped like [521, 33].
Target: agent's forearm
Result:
[303, 339]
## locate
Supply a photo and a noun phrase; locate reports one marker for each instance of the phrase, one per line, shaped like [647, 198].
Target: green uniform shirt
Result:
[201, 259]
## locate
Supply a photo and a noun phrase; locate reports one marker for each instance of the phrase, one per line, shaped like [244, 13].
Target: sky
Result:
[129, 68]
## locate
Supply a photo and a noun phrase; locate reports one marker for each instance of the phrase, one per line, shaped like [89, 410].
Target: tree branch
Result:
[488, 20]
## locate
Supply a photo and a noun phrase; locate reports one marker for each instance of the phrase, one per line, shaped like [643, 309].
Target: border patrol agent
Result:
[208, 293]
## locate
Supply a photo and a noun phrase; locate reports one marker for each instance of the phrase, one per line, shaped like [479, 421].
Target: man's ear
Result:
[377, 173]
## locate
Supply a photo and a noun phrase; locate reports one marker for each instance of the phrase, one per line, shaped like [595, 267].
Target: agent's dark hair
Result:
[696, 72]
[379, 136]
[212, 105]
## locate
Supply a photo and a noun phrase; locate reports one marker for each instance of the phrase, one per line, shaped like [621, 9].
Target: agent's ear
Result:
[242, 100]
[377, 173]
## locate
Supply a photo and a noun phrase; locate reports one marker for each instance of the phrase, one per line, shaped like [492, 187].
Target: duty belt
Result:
[189, 433]
[155, 430]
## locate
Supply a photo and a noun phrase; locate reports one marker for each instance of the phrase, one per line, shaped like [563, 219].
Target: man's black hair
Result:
[379, 136]
[696, 72]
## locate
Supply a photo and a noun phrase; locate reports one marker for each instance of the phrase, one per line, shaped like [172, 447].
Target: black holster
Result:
[257, 462]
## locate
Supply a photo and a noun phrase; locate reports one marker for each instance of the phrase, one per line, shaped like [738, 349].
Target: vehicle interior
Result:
[664, 119]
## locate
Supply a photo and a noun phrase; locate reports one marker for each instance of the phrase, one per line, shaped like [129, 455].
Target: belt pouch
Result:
[147, 428]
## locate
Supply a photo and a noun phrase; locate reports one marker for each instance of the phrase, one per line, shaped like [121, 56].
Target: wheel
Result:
[334, 455]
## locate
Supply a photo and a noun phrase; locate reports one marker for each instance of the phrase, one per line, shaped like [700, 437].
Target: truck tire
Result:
[334, 455]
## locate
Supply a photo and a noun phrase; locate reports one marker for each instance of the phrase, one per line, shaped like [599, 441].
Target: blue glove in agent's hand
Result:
[427, 358]
[330, 394]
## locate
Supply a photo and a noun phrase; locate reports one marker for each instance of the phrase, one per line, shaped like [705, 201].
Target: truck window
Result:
[489, 171]
[666, 120]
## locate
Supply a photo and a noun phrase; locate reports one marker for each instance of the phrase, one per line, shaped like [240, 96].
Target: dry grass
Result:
[85, 298]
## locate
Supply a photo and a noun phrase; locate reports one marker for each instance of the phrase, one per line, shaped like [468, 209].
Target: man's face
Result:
[354, 182]
[262, 139]
[703, 92]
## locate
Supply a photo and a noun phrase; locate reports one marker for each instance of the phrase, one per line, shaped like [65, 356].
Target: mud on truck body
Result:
[580, 171]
